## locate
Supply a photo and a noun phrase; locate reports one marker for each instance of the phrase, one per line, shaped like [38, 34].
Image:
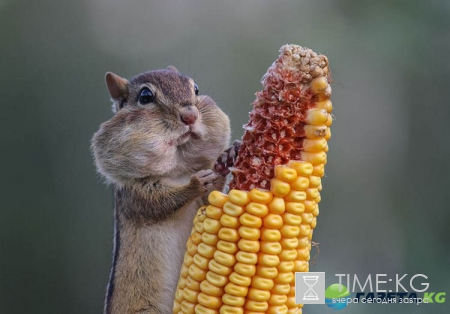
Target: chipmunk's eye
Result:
[196, 89]
[146, 96]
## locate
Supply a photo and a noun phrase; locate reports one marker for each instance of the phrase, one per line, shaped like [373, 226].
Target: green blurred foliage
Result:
[385, 202]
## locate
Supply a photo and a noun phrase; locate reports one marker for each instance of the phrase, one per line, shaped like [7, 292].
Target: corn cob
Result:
[246, 246]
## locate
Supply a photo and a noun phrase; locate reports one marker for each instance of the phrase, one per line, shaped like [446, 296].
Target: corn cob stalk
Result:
[246, 246]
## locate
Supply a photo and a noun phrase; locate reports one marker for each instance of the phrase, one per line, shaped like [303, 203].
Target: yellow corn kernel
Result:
[211, 289]
[316, 158]
[300, 184]
[291, 292]
[197, 273]
[219, 268]
[217, 198]
[288, 255]
[227, 247]
[307, 218]
[233, 300]
[191, 248]
[190, 295]
[229, 221]
[257, 209]
[319, 85]
[303, 168]
[260, 196]
[302, 242]
[187, 307]
[278, 309]
[313, 223]
[315, 131]
[283, 278]
[240, 280]
[213, 212]
[303, 254]
[277, 299]
[228, 234]
[316, 116]
[292, 219]
[291, 301]
[270, 235]
[228, 309]
[245, 269]
[295, 208]
[326, 104]
[315, 212]
[250, 220]
[182, 282]
[224, 258]
[295, 196]
[289, 243]
[315, 145]
[329, 121]
[209, 301]
[288, 231]
[311, 194]
[216, 279]
[315, 181]
[184, 272]
[256, 306]
[247, 257]
[200, 309]
[273, 221]
[199, 226]
[319, 170]
[281, 289]
[309, 205]
[188, 260]
[268, 259]
[176, 307]
[206, 250]
[285, 173]
[209, 238]
[285, 266]
[249, 233]
[279, 188]
[196, 238]
[270, 247]
[232, 209]
[305, 230]
[249, 245]
[318, 199]
[328, 134]
[201, 261]
[276, 206]
[179, 295]
[266, 272]
[236, 290]
[192, 284]
[238, 197]
[301, 266]
[258, 294]
[262, 283]
[211, 225]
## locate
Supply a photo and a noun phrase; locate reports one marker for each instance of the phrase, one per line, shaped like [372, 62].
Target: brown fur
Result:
[160, 181]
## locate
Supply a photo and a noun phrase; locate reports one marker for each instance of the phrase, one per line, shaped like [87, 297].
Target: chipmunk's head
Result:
[161, 127]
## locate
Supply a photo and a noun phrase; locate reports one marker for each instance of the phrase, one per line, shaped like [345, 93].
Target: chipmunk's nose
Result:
[188, 115]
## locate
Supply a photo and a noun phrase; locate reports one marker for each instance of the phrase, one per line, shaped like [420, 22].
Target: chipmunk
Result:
[163, 150]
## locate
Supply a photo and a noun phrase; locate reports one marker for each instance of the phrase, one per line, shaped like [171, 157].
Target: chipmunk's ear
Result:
[172, 68]
[118, 89]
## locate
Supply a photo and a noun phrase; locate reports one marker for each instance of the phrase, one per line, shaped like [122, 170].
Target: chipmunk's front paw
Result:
[204, 180]
[227, 158]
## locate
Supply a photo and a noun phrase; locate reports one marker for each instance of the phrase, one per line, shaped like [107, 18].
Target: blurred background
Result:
[385, 205]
